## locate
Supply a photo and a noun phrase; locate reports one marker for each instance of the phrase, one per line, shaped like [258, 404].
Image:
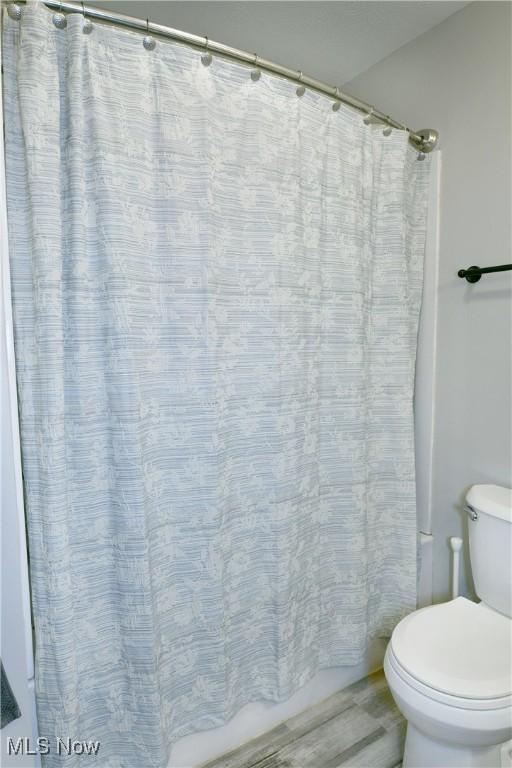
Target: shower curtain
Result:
[216, 287]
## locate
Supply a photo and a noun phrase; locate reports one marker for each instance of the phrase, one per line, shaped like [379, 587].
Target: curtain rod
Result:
[425, 140]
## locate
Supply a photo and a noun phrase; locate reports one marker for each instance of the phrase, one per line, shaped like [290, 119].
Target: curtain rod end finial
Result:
[429, 139]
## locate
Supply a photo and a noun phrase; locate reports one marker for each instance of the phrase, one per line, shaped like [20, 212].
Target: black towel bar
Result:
[473, 274]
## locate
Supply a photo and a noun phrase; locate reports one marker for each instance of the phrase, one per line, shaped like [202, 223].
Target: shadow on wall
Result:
[471, 296]
[468, 587]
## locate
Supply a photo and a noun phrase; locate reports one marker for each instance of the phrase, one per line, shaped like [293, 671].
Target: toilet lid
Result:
[460, 648]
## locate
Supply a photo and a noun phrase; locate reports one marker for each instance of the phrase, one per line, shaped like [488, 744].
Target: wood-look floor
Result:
[358, 727]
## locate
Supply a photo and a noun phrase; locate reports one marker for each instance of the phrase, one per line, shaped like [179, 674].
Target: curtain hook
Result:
[256, 72]
[368, 119]
[301, 90]
[87, 24]
[59, 18]
[206, 58]
[337, 104]
[388, 130]
[148, 41]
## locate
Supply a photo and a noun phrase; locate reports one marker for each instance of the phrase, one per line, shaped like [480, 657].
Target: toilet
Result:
[449, 666]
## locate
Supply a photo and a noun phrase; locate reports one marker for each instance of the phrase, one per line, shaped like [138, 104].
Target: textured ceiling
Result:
[332, 41]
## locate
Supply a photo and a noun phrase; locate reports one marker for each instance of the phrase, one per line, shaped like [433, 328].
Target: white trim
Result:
[425, 385]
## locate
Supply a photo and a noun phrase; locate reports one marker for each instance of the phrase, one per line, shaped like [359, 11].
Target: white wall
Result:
[457, 78]
[332, 41]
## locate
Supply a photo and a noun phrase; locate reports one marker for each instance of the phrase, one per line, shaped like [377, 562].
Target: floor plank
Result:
[378, 702]
[385, 752]
[358, 727]
[323, 745]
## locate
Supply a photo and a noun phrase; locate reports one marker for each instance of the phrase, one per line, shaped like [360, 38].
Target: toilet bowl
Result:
[449, 666]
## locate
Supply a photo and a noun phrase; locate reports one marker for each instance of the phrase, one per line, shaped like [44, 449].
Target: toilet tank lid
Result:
[492, 499]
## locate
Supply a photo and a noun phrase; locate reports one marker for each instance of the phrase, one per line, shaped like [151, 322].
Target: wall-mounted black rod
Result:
[473, 274]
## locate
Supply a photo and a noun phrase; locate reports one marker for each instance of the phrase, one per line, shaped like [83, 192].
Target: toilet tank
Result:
[489, 510]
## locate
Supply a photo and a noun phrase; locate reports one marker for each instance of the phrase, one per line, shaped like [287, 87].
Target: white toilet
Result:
[449, 666]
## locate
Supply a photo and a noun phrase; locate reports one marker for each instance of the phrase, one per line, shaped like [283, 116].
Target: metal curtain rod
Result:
[424, 140]
[473, 274]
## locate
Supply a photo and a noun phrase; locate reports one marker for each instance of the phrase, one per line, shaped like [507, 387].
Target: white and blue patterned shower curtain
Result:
[216, 287]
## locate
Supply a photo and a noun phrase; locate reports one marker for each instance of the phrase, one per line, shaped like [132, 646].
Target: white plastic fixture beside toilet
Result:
[449, 666]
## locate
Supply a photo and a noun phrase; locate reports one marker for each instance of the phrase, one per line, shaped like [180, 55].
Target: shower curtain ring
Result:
[148, 41]
[14, 11]
[59, 18]
[206, 58]
[337, 104]
[256, 72]
[301, 90]
[388, 130]
[87, 24]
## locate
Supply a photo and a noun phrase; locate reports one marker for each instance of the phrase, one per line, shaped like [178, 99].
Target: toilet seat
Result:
[503, 703]
[457, 653]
